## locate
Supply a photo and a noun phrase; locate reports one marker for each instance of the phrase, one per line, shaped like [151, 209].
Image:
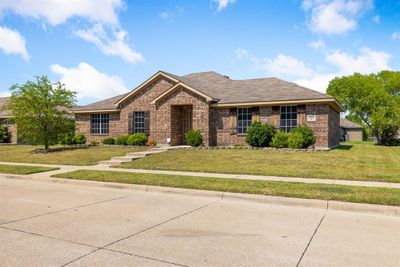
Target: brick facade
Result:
[12, 130]
[217, 125]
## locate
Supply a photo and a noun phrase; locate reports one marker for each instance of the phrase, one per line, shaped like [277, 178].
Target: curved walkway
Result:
[104, 167]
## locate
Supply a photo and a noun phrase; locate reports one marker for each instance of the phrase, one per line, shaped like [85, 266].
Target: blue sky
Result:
[101, 48]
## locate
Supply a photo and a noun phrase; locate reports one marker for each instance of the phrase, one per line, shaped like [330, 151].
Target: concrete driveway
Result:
[50, 224]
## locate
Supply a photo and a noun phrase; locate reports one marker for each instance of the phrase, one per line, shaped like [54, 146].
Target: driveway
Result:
[52, 224]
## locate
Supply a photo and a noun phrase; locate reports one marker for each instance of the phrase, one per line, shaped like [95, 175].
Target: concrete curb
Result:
[275, 200]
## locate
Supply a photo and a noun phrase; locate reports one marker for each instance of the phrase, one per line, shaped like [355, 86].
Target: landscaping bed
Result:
[78, 155]
[358, 194]
[22, 169]
[361, 161]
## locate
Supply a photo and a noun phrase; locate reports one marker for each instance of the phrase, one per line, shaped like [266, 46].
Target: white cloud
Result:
[11, 42]
[116, 45]
[368, 61]
[5, 94]
[58, 12]
[89, 82]
[318, 44]
[223, 3]
[319, 82]
[285, 65]
[101, 14]
[169, 15]
[165, 15]
[396, 36]
[241, 53]
[335, 16]
[376, 19]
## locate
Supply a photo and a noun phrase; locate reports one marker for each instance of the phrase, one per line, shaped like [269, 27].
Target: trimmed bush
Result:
[4, 134]
[194, 138]
[308, 135]
[280, 140]
[66, 139]
[260, 135]
[137, 139]
[122, 140]
[80, 139]
[296, 140]
[109, 141]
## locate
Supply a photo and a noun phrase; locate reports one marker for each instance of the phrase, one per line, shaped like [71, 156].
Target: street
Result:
[54, 224]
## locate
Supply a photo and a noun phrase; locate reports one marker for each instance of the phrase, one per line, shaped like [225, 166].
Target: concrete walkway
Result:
[106, 167]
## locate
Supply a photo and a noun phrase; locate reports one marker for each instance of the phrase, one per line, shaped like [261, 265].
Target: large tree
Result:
[373, 100]
[40, 110]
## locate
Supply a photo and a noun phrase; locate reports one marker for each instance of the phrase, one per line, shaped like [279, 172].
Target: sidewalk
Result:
[101, 167]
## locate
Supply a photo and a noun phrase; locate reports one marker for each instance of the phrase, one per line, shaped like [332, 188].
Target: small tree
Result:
[40, 110]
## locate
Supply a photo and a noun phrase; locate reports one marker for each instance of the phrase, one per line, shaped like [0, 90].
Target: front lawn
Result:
[79, 156]
[384, 196]
[351, 161]
[22, 169]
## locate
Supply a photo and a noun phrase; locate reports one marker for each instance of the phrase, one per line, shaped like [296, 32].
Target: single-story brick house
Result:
[350, 131]
[6, 119]
[166, 106]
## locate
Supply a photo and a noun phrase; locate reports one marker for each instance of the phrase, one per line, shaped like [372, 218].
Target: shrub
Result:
[151, 142]
[296, 140]
[137, 139]
[66, 139]
[94, 143]
[260, 135]
[308, 135]
[80, 139]
[194, 138]
[109, 141]
[280, 140]
[122, 140]
[4, 134]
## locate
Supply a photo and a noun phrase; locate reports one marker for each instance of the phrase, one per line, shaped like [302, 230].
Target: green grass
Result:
[79, 156]
[384, 196]
[361, 161]
[22, 169]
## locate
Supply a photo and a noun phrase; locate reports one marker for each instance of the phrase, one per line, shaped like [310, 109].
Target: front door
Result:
[181, 123]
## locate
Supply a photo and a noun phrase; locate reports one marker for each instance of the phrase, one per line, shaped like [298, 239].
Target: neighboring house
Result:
[166, 106]
[6, 119]
[350, 131]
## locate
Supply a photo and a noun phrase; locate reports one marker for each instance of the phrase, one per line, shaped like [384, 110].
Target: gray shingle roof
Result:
[3, 102]
[349, 124]
[220, 87]
[105, 104]
[252, 90]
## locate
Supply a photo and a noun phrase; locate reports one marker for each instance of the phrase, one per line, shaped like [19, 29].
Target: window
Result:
[288, 118]
[100, 123]
[138, 123]
[243, 120]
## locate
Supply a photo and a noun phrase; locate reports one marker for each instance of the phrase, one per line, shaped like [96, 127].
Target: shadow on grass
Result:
[344, 147]
[58, 149]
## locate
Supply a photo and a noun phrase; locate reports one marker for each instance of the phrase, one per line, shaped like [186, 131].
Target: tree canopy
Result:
[372, 100]
[40, 110]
